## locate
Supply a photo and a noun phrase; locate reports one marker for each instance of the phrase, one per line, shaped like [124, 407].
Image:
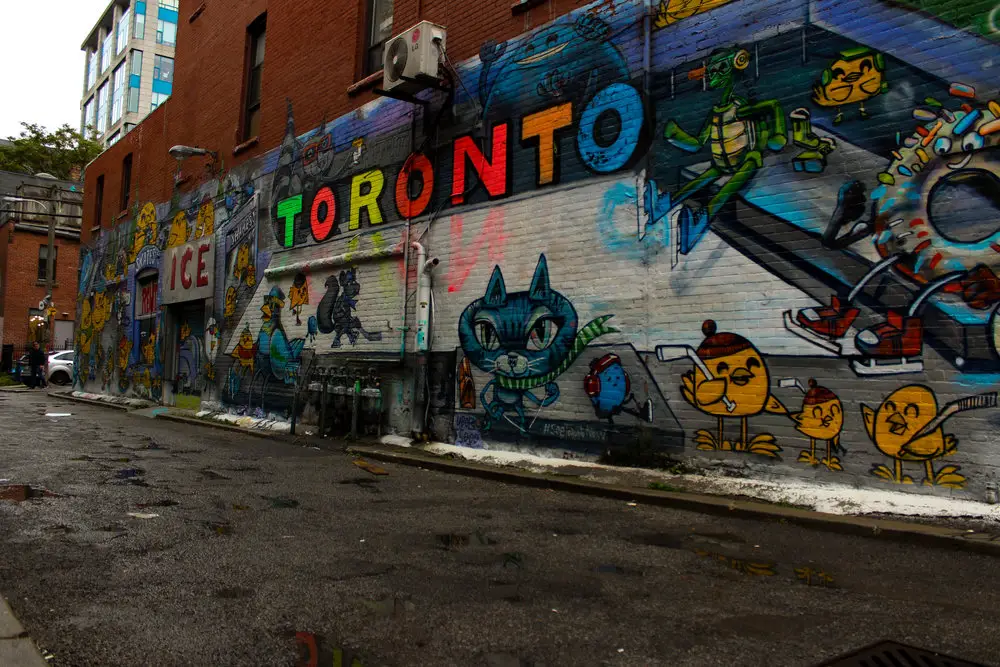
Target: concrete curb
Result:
[219, 425]
[87, 401]
[900, 531]
[16, 648]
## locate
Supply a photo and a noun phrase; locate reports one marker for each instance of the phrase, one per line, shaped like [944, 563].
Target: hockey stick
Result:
[675, 352]
[987, 400]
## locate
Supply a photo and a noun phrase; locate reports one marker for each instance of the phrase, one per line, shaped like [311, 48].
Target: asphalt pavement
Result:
[161, 543]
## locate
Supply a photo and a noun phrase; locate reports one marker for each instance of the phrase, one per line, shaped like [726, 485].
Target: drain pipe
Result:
[424, 269]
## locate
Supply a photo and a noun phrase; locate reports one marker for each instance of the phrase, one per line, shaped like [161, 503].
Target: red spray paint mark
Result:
[463, 258]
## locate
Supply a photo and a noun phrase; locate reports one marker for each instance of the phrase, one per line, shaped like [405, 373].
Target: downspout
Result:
[424, 269]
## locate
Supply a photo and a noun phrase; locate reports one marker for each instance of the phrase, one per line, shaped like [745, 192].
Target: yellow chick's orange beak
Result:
[710, 391]
[897, 424]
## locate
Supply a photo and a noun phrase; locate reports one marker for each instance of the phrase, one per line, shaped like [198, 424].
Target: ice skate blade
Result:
[840, 347]
[674, 218]
[887, 366]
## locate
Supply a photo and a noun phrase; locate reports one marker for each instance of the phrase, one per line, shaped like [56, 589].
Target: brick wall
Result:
[23, 290]
[661, 235]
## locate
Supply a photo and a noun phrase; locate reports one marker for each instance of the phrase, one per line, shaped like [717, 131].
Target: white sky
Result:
[41, 64]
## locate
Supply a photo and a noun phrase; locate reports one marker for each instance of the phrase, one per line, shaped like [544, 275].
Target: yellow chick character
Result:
[178, 230]
[737, 385]
[124, 350]
[895, 428]
[101, 311]
[857, 76]
[242, 262]
[185, 331]
[822, 418]
[298, 296]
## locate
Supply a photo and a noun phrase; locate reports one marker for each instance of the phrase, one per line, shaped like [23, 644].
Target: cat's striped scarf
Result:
[590, 332]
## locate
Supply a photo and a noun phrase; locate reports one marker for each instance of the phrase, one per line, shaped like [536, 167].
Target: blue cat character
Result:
[525, 340]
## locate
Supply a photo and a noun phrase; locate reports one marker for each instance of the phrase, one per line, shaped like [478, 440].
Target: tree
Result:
[57, 153]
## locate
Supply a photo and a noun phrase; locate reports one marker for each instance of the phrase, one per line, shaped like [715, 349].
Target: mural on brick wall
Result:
[792, 215]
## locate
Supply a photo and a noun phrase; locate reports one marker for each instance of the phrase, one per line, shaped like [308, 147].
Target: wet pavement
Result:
[127, 540]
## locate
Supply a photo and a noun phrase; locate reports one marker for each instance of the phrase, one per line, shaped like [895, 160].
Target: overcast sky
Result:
[41, 64]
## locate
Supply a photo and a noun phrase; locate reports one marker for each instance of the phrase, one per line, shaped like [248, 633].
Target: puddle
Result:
[21, 492]
[234, 593]
[611, 568]
[281, 502]
[129, 473]
[219, 527]
[58, 414]
[753, 569]
[159, 503]
[367, 483]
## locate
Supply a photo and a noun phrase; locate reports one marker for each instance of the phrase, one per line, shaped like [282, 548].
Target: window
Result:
[91, 69]
[256, 38]
[106, 47]
[169, 4]
[140, 22]
[118, 94]
[157, 100]
[99, 201]
[135, 69]
[122, 37]
[129, 127]
[134, 82]
[102, 108]
[113, 139]
[88, 118]
[166, 32]
[379, 29]
[163, 69]
[43, 261]
[147, 291]
[126, 180]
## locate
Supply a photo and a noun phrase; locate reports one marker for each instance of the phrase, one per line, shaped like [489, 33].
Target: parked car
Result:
[60, 367]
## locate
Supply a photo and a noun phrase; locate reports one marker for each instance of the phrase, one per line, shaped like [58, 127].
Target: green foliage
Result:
[57, 153]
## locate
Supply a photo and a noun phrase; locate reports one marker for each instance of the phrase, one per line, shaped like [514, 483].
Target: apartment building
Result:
[129, 66]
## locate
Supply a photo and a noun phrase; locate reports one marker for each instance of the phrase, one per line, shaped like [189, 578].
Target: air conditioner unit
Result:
[410, 60]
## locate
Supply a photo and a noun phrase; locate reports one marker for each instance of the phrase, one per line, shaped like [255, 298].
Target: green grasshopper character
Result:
[736, 132]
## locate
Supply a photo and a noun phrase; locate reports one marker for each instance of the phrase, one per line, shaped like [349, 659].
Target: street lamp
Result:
[50, 258]
[181, 152]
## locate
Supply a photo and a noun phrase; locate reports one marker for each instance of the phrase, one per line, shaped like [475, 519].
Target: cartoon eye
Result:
[972, 141]
[838, 73]
[912, 410]
[722, 368]
[942, 145]
[487, 336]
[542, 334]
[865, 65]
[552, 39]
[890, 406]
[834, 410]
[753, 363]
[817, 412]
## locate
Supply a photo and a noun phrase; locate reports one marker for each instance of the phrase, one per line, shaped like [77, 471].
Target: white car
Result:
[60, 367]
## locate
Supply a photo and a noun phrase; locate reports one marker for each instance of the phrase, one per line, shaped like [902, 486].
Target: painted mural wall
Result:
[763, 233]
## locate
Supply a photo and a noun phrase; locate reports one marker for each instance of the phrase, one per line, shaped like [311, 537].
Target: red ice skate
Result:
[894, 346]
[831, 321]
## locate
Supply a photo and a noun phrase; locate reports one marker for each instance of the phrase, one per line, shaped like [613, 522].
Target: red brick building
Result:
[23, 253]
[615, 229]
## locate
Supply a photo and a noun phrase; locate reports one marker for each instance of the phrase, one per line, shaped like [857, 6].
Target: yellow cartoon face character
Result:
[251, 276]
[731, 379]
[145, 230]
[821, 418]
[206, 220]
[244, 351]
[178, 230]
[242, 261]
[857, 76]
[101, 312]
[124, 351]
[149, 348]
[185, 331]
[86, 327]
[230, 306]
